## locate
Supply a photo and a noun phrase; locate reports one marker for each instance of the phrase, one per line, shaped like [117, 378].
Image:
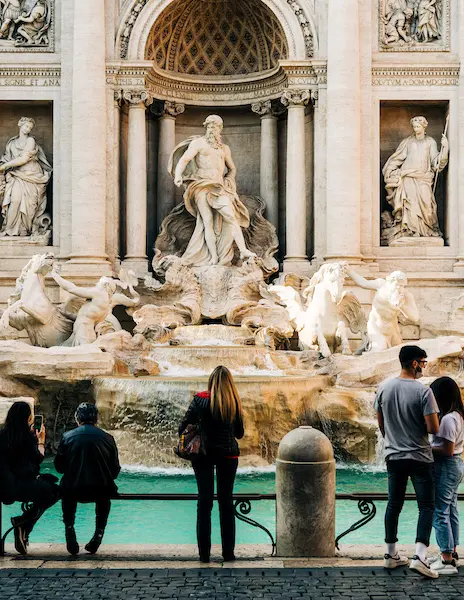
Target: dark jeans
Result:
[102, 510]
[40, 494]
[226, 469]
[421, 474]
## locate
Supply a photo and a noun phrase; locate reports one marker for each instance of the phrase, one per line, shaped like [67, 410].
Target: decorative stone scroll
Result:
[295, 97]
[27, 25]
[137, 97]
[414, 25]
[167, 109]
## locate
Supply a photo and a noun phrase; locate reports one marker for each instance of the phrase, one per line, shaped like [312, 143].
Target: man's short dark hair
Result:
[87, 413]
[408, 354]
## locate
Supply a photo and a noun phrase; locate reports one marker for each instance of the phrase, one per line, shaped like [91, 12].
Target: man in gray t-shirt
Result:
[407, 412]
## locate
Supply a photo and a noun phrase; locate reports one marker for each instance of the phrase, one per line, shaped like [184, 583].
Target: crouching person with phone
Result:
[22, 449]
[88, 458]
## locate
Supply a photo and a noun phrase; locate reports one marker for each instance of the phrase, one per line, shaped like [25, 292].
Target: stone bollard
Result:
[305, 488]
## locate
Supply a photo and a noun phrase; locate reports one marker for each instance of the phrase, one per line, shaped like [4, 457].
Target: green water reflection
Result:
[174, 522]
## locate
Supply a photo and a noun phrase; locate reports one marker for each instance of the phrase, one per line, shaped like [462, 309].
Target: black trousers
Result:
[226, 468]
[421, 474]
[40, 494]
[102, 510]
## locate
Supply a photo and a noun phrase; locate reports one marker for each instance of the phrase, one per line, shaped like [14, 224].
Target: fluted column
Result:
[136, 201]
[166, 191]
[269, 171]
[88, 135]
[343, 132]
[295, 257]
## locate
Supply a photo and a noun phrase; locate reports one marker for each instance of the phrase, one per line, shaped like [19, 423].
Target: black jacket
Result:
[88, 458]
[220, 438]
[24, 459]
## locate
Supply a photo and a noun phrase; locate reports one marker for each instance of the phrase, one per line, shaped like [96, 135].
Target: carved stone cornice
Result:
[167, 109]
[392, 76]
[292, 98]
[47, 77]
[137, 97]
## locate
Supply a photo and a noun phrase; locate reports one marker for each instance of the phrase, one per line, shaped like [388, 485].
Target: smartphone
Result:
[38, 422]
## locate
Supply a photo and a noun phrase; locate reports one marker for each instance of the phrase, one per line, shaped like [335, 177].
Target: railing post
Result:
[305, 490]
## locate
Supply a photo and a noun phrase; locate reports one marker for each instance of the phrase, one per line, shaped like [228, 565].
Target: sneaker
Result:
[71, 541]
[443, 567]
[94, 544]
[391, 562]
[456, 558]
[422, 567]
[19, 536]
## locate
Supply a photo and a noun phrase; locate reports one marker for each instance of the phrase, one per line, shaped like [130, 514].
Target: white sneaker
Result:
[391, 562]
[422, 567]
[444, 568]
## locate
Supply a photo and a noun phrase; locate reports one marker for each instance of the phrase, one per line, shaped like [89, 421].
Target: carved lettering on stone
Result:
[414, 25]
[26, 25]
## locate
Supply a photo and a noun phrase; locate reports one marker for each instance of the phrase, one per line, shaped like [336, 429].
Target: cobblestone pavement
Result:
[225, 584]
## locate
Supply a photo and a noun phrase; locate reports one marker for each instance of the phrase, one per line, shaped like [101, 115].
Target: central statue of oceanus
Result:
[211, 197]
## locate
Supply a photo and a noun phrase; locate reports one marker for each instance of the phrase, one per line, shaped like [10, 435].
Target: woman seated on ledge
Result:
[21, 453]
[219, 413]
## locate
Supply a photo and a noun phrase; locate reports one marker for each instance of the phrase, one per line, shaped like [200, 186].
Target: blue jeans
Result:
[448, 476]
[421, 474]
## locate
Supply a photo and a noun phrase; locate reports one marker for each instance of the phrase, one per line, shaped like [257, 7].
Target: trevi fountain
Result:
[272, 185]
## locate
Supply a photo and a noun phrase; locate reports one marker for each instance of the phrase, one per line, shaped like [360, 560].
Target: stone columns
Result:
[166, 191]
[269, 172]
[459, 264]
[343, 132]
[295, 258]
[136, 201]
[89, 136]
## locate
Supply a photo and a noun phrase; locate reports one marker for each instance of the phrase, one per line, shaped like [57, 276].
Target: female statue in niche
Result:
[27, 173]
[409, 176]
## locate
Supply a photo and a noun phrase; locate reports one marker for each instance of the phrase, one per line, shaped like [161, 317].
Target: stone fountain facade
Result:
[342, 176]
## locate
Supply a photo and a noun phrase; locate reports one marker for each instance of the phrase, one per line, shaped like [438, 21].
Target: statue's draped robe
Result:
[219, 195]
[409, 176]
[25, 197]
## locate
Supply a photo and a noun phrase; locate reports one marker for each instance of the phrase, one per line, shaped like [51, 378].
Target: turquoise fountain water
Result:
[174, 522]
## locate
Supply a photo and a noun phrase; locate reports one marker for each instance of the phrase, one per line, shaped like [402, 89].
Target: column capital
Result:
[268, 108]
[291, 98]
[118, 97]
[137, 97]
[167, 109]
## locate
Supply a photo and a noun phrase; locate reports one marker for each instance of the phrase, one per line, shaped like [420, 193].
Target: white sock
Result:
[391, 549]
[421, 550]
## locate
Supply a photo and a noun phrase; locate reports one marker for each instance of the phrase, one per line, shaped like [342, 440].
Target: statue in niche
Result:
[24, 175]
[95, 317]
[411, 22]
[410, 175]
[391, 305]
[211, 197]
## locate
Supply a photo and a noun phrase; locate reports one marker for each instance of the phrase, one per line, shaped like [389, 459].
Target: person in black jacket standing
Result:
[88, 458]
[219, 413]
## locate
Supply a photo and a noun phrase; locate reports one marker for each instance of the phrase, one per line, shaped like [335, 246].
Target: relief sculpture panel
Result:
[414, 25]
[26, 25]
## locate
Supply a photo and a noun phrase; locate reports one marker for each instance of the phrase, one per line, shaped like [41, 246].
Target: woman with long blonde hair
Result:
[218, 412]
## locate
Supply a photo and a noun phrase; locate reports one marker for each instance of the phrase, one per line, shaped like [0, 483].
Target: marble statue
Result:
[322, 324]
[92, 318]
[410, 175]
[411, 22]
[24, 175]
[34, 24]
[30, 309]
[211, 197]
[391, 305]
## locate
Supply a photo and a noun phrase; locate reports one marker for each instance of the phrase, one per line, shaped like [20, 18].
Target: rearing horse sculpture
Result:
[329, 311]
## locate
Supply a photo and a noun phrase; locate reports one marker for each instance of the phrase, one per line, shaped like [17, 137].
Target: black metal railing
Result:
[243, 506]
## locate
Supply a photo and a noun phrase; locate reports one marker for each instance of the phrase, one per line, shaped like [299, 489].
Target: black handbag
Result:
[191, 443]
